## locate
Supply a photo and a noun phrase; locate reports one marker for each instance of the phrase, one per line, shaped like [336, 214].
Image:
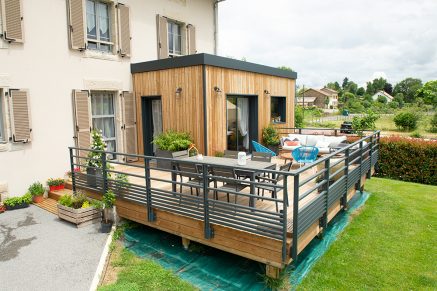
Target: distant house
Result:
[322, 98]
[383, 94]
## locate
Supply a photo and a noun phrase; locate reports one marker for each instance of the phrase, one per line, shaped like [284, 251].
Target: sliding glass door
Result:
[103, 112]
[238, 123]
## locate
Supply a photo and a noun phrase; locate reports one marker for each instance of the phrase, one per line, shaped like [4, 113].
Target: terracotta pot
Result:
[38, 199]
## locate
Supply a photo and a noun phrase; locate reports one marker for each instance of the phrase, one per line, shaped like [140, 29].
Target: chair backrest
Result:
[223, 172]
[187, 169]
[305, 154]
[283, 168]
[261, 157]
[262, 149]
[231, 154]
[180, 154]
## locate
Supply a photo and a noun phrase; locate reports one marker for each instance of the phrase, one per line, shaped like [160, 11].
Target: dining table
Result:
[250, 169]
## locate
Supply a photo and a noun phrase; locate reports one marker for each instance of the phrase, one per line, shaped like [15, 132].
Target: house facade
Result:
[62, 75]
[382, 94]
[324, 98]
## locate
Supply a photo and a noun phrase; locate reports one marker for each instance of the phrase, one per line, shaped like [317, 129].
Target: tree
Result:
[376, 85]
[298, 117]
[334, 86]
[359, 124]
[406, 120]
[428, 93]
[351, 87]
[348, 96]
[388, 88]
[345, 83]
[361, 91]
[382, 99]
[399, 98]
[408, 87]
[285, 68]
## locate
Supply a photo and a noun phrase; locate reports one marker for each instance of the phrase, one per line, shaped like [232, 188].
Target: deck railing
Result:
[325, 181]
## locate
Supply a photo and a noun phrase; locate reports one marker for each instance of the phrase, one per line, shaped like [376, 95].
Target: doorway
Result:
[152, 122]
[241, 121]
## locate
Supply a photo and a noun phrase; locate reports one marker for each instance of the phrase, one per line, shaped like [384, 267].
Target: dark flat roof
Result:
[210, 60]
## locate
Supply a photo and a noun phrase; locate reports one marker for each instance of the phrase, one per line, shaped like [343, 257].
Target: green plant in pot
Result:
[37, 191]
[121, 184]
[169, 143]
[18, 202]
[108, 201]
[271, 138]
[94, 163]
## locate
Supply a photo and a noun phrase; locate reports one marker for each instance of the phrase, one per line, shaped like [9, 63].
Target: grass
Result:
[390, 245]
[135, 274]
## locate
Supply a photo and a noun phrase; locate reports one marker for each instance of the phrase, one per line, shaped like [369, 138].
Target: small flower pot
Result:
[61, 187]
[2, 208]
[38, 199]
[106, 226]
[52, 188]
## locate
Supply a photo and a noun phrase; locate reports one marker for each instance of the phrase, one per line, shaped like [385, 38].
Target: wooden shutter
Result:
[162, 37]
[124, 37]
[191, 35]
[12, 20]
[82, 120]
[20, 116]
[77, 24]
[129, 124]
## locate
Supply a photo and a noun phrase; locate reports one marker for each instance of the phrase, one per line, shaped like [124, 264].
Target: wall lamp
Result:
[266, 92]
[217, 89]
[178, 91]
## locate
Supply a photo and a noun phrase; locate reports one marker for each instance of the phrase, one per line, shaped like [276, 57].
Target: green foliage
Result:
[361, 91]
[270, 136]
[86, 204]
[13, 201]
[36, 189]
[397, 224]
[406, 120]
[75, 201]
[66, 200]
[393, 105]
[219, 154]
[173, 141]
[367, 122]
[428, 93]
[298, 117]
[434, 123]
[375, 86]
[408, 88]
[416, 135]
[285, 68]
[334, 86]
[382, 99]
[408, 160]
[108, 199]
[55, 182]
[98, 144]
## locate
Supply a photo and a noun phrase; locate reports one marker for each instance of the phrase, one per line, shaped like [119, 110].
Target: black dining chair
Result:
[230, 154]
[271, 184]
[229, 179]
[261, 157]
[192, 172]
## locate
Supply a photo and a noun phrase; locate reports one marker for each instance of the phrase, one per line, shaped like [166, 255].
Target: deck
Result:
[264, 231]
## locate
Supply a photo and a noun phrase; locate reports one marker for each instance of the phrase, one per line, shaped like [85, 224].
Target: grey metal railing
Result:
[325, 181]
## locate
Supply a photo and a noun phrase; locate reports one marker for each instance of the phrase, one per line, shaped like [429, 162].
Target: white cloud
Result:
[327, 40]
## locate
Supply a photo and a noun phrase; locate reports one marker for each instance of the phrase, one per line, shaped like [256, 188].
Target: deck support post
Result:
[358, 186]
[207, 227]
[185, 242]
[295, 243]
[150, 213]
[324, 222]
[346, 175]
[273, 272]
[369, 173]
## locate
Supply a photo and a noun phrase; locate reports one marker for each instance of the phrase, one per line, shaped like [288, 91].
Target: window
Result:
[98, 26]
[2, 127]
[278, 107]
[174, 39]
[102, 107]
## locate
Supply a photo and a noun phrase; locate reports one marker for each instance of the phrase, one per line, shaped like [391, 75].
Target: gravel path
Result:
[38, 251]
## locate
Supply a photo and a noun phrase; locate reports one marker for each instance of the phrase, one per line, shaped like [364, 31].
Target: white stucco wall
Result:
[49, 70]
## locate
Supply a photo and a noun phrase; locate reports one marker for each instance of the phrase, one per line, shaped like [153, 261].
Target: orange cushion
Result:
[291, 143]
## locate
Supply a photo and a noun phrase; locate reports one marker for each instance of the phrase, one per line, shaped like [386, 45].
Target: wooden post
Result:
[185, 243]
[273, 272]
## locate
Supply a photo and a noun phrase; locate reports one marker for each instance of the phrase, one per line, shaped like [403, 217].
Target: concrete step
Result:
[58, 193]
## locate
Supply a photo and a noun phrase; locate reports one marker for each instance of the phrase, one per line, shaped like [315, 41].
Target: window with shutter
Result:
[12, 20]
[76, 23]
[82, 120]
[191, 34]
[162, 37]
[20, 115]
[124, 38]
[129, 124]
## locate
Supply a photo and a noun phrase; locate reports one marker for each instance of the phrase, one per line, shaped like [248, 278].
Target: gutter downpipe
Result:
[216, 25]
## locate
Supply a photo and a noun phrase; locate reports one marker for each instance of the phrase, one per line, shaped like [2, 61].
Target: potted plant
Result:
[108, 201]
[94, 163]
[79, 209]
[271, 138]
[37, 191]
[168, 143]
[121, 184]
[56, 184]
[18, 202]
[2, 208]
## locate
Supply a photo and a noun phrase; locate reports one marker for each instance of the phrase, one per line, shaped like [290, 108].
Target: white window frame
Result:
[3, 137]
[98, 41]
[171, 50]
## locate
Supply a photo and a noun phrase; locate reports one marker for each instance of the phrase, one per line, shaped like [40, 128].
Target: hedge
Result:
[406, 159]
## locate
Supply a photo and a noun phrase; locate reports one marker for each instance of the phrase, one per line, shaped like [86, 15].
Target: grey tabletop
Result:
[250, 165]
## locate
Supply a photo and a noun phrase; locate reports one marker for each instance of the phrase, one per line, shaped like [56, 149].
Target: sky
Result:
[325, 41]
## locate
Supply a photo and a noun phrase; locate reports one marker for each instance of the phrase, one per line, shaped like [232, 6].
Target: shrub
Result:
[298, 117]
[173, 141]
[270, 136]
[359, 124]
[75, 201]
[434, 123]
[410, 160]
[406, 120]
[11, 202]
[36, 189]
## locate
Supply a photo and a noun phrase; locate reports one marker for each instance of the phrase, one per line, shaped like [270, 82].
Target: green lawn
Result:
[391, 244]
